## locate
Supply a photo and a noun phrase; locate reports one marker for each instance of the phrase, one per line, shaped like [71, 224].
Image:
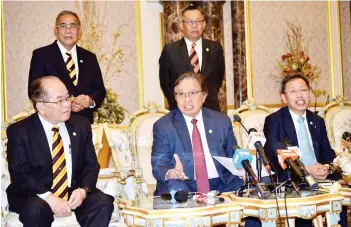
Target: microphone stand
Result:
[246, 184]
[258, 166]
[289, 182]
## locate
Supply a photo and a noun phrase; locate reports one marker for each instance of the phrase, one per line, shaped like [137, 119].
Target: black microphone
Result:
[237, 118]
[260, 150]
[180, 196]
[308, 178]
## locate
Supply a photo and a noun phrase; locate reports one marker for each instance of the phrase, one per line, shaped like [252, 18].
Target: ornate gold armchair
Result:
[141, 139]
[252, 116]
[337, 116]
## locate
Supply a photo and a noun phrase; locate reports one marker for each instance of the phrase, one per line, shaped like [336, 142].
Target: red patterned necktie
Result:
[202, 182]
[194, 59]
[59, 168]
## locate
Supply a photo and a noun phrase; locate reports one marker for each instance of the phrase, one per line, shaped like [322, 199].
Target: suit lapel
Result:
[180, 125]
[80, 58]
[185, 55]
[210, 130]
[289, 127]
[205, 55]
[40, 139]
[73, 135]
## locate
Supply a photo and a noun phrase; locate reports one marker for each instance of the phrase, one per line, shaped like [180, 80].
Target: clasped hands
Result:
[81, 102]
[63, 208]
[177, 172]
[318, 171]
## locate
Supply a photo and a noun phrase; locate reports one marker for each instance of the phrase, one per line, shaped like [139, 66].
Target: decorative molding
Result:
[140, 57]
[3, 67]
[250, 93]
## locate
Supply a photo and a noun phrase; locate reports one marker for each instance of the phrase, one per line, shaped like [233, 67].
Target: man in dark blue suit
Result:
[302, 128]
[78, 68]
[176, 161]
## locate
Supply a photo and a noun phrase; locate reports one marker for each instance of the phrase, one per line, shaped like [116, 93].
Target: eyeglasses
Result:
[65, 26]
[302, 91]
[193, 22]
[183, 95]
[58, 102]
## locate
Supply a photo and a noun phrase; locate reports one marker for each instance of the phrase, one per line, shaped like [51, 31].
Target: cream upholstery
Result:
[337, 116]
[252, 116]
[97, 131]
[141, 140]
[10, 219]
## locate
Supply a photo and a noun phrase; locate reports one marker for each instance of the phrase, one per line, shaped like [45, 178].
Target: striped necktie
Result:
[71, 68]
[202, 183]
[59, 168]
[194, 59]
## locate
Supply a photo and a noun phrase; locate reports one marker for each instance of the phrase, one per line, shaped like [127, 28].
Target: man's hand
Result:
[77, 198]
[59, 207]
[319, 171]
[84, 101]
[177, 172]
[76, 106]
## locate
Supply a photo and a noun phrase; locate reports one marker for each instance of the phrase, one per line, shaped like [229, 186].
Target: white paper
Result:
[229, 165]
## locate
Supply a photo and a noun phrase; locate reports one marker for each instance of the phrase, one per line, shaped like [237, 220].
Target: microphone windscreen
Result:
[239, 156]
[237, 118]
[181, 196]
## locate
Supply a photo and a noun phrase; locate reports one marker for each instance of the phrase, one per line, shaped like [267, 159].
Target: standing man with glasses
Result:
[192, 53]
[302, 128]
[52, 162]
[78, 68]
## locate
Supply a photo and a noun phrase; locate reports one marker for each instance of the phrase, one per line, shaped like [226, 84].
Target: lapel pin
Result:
[311, 123]
[210, 131]
[81, 61]
[207, 49]
[74, 133]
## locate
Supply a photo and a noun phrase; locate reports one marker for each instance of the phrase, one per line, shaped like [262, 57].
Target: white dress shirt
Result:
[294, 116]
[198, 49]
[211, 168]
[74, 56]
[66, 147]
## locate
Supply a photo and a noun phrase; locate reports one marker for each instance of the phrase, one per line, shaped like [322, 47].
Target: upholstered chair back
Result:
[337, 116]
[142, 138]
[252, 115]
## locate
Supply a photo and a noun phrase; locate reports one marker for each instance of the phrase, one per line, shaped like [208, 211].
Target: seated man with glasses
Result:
[78, 68]
[186, 139]
[302, 128]
[52, 162]
[192, 53]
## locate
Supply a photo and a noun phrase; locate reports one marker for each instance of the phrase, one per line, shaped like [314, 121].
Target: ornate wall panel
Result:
[29, 25]
[267, 22]
[345, 22]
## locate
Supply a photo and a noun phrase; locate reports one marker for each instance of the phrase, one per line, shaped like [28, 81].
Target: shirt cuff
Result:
[92, 105]
[44, 195]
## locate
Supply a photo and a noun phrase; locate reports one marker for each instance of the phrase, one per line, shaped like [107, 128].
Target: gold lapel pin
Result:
[207, 49]
[74, 133]
[81, 61]
[210, 131]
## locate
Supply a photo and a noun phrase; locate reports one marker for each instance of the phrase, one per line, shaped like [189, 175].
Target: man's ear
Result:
[55, 32]
[40, 108]
[283, 97]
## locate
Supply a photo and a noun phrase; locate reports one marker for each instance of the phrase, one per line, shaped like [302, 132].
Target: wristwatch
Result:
[87, 190]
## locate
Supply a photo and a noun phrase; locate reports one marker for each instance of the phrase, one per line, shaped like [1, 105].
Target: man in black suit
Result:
[302, 128]
[52, 162]
[180, 57]
[78, 68]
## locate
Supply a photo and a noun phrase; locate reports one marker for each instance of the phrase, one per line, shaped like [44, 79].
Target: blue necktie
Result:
[308, 156]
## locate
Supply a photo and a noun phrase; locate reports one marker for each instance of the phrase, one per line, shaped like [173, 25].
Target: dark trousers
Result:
[96, 210]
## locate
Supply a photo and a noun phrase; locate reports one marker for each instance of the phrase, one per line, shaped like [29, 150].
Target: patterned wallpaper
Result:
[268, 42]
[345, 21]
[29, 25]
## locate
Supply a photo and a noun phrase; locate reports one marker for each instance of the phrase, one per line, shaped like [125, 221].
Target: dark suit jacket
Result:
[171, 136]
[279, 125]
[30, 161]
[174, 61]
[48, 61]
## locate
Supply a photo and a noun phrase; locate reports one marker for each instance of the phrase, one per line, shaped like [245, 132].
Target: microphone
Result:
[242, 159]
[255, 141]
[286, 158]
[308, 178]
[174, 196]
[237, 118]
